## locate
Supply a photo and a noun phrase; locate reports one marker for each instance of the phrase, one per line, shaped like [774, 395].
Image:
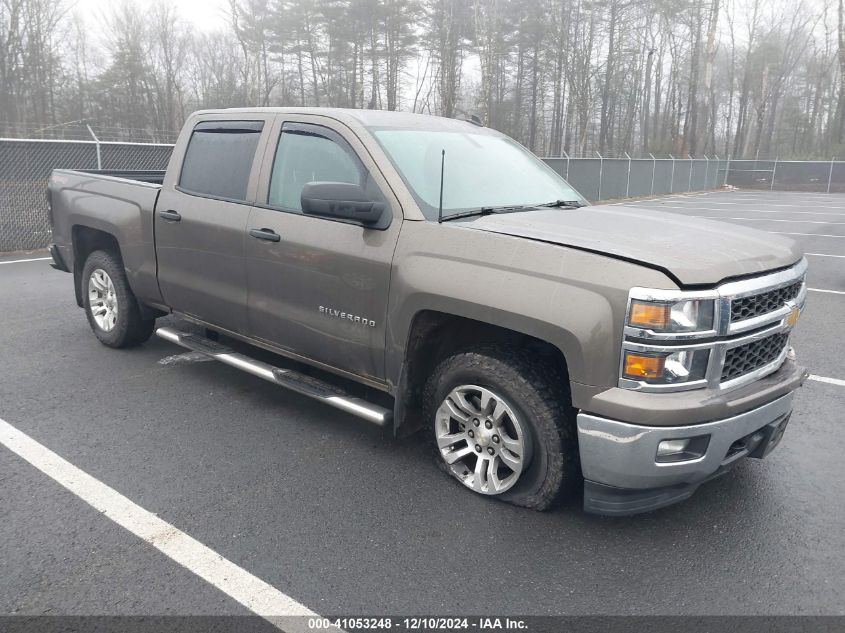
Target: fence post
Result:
[727, 169]
[601, 171]
[774, 171]
[567, 164]
[653, 170]
[716, 174]
[628, 182]
[672, 181]
[830, 174]
[706, 174]
[691, 165]
[97, 142]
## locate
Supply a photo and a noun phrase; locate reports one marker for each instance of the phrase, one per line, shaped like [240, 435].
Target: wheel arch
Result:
[433, 335]
[86, 240]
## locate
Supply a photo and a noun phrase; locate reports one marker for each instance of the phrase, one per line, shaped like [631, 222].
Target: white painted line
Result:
[732, 199]
[822, 199]
[824, 255]
[724, 217]
[250, 591]
[833, 292]
[661, 207]
[785, 202]
[23, 261]
[768, 204]
[783, 212]
[638, 201]
[830, 381]
[810, 234]
[671, 198]
[697, 208]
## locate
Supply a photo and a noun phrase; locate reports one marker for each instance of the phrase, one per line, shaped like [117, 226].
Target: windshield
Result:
[482, 170]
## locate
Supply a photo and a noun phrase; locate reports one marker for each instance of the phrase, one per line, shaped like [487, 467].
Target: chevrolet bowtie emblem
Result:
[792, 317]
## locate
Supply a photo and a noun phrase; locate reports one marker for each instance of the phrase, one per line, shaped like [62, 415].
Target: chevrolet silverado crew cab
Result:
[430, 273]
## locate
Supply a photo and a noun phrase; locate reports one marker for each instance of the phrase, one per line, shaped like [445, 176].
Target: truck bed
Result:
[152, 176]
[116, 203]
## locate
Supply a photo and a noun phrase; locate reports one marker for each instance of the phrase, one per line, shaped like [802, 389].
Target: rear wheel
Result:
[503, 426]
[112, 310]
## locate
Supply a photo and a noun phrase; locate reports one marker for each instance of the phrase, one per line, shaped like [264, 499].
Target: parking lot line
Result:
[706, 208]
[672, 198]
[830, 381]
[833, 292]
[825, 255]
[23, 261]
[723, 217]
[809, 234]
[750, 200]
[252, 592]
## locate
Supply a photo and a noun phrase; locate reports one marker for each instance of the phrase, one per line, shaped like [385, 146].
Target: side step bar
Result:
[289, 378]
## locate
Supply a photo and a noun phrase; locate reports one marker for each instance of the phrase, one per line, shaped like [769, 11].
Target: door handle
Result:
[170, 216]
[265, 234]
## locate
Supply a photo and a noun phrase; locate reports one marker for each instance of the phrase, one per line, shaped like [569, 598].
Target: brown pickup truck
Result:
[544, 345]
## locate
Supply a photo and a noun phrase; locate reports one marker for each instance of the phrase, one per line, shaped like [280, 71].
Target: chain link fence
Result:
[788, 175]
[606, 178]
[26, 164]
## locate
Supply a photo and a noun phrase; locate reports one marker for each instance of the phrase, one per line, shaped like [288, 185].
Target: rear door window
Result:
[219, 158]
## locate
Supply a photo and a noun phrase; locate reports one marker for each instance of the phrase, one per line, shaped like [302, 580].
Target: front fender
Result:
[571, 299]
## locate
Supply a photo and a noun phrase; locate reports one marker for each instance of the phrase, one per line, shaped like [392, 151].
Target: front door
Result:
[200, 223]
[321, 290]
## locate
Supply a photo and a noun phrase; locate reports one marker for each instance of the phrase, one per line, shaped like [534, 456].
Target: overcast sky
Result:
[205, 15]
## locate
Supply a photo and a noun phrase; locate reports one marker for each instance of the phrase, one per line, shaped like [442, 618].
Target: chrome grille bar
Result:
[727, 333]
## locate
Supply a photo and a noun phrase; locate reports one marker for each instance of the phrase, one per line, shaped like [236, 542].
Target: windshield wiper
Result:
[484, 211]
[572, 204]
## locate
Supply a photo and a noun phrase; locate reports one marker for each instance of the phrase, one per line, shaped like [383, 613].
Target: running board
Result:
[289, 378]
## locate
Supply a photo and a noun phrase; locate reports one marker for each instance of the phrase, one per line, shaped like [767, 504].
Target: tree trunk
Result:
[608, 75]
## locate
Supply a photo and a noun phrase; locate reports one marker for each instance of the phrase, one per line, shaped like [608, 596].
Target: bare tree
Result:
[682, 76]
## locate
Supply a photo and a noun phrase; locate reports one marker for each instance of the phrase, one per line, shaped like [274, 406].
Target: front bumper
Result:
[619, 460]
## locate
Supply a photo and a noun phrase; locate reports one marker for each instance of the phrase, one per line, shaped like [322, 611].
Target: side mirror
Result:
[341, 200]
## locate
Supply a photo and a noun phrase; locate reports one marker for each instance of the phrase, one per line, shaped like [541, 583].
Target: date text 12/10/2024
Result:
[418, 623]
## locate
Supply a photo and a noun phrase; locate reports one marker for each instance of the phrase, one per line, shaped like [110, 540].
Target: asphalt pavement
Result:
[347, 520]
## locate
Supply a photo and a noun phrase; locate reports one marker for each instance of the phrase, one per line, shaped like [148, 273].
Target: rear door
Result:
[201, 220]
[321, 290]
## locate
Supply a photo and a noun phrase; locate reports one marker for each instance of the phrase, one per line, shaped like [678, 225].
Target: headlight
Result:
[689, 315]
[666, 368]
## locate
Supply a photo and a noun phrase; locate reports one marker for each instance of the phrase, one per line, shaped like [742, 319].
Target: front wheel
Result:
[503, 426]
[110, 305]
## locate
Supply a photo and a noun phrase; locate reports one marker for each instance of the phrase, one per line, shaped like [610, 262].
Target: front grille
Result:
[746, 358]
[763, 303]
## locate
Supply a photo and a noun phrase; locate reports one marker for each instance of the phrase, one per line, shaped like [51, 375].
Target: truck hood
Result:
[691, 251]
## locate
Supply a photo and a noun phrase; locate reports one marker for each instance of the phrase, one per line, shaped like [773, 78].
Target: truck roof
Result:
[367, 118]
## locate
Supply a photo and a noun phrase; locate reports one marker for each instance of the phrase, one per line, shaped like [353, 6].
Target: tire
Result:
[537, 395]
[115, 317]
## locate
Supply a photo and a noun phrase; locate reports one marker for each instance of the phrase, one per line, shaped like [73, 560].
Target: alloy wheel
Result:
[102, 300]
[481, 439]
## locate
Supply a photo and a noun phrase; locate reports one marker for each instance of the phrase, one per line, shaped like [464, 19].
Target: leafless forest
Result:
[687, 77]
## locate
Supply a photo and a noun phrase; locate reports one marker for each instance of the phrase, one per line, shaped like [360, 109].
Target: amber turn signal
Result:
[649, 314]
[639, 366]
